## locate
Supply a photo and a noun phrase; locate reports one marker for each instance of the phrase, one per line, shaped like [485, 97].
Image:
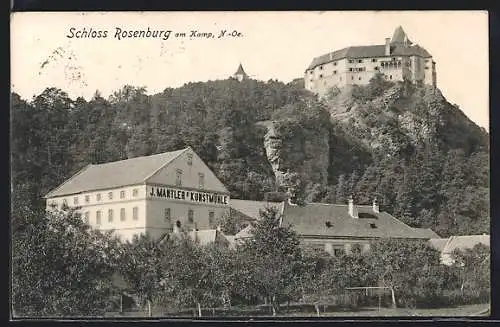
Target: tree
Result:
[60, 267]
[272, 242]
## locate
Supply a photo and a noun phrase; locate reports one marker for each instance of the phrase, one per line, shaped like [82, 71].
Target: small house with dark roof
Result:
[335, 228]
[150, 194]
[397, 59]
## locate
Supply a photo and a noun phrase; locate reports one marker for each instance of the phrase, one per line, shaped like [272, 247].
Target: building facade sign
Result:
[187, 195]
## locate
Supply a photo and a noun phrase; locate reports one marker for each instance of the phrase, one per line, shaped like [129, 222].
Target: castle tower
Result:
[240, 74]
[400, 38]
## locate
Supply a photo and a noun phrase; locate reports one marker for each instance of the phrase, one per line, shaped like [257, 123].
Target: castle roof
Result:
[400, 36]
[400, 46]
[115, 174]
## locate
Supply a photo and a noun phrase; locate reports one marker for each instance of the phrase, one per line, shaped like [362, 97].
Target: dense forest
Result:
[423, 159]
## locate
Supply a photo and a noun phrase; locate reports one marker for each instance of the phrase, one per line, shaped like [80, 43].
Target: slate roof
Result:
[465, 242]
[438, 243]
[114, 174]
[310, 220]
[251, 208]
[399, 36]
[428, 233]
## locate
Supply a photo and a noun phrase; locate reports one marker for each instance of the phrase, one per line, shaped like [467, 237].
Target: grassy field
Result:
[459, 311]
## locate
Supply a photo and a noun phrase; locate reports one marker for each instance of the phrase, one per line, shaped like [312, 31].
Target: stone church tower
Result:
[240, 74]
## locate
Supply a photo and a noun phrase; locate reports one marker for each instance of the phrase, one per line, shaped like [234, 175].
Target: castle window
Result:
[320, 75]
[360, 60]
[110, 215]
[122, 214]
[167, 215]
[190, 216]
[87, 217]
[390, 76]
[190, 159]
[334, 72]
[135, 213]
[135, 192]
[87, 198]
[338, 252]
[98, 218]
[351, 61]
[75, 200]
[426, 67]
[201, 180]
[360, 78]
[110, 195]
[98, 196]
[211, 218]
[320, 67]
[350, 69]
[394, 59]
[335, 63]
[374, 60]
[376, 67]
[122, 194]
[352, 78]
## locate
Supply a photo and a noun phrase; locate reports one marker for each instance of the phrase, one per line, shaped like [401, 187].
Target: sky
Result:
[272, 45]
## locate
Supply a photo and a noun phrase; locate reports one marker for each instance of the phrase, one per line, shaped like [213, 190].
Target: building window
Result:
[190, 216]
[335, 63]
[338, 252]
[75, 200]
[87, 198]
[122, 194]
[350, 69]
[167, 215]
[135, 192]
[352, 78]
[190, 159]
[334, 72]
[310, 72]
[110, 215]
[64, 203]
[98, 196]
[390, 76]
[87, 217]
[110, 195]
[376, 67]
[426, 67]
[135, 213]
[201, 180]
[320, 67]
[374, 60]
[178, 178]
[351, 61]
[320, 75]
[98, 217]
[211, 218]
[360, 78]
[360, 60]
[122, 214]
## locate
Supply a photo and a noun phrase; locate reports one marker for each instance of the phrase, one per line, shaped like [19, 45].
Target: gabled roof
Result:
[114, 174]
[244, 233]
[427, 232]
[251, 208]
[465, 242]
[311, 220]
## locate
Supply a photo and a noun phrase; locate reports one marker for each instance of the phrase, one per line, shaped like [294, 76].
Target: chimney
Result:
[375, 206]
[387, 46]
[353, 211]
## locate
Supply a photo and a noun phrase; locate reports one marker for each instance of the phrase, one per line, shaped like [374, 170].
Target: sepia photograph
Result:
[249, 165]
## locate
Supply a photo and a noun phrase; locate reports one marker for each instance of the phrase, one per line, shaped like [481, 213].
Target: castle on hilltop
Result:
[397, 59]
[240, 74]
